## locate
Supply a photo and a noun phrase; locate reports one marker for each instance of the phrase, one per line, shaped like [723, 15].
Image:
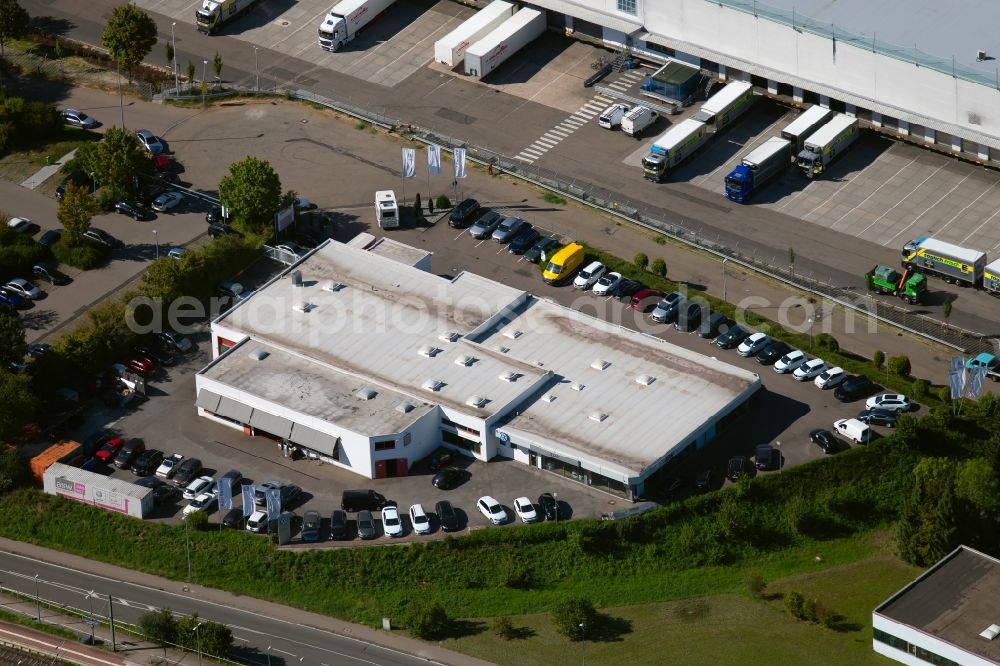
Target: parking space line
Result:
[948, 223]
[848, 182]
[862, 202]
[976, 230]
[459, 236]
[886, 243]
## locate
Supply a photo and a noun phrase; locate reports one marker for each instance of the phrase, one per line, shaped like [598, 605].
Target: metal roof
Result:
[950, 249]
[110, 484]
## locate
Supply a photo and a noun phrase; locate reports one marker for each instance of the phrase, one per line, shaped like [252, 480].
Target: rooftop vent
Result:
[296, 278]
[465, 360]
[577, 386]
[404, 407]
[981, 56]
[366, 393]
[991, 632]
[303, 306]
[449, 336]
[502, 349]
[333, 285]
[598, 416]
[509, 376]
[548, 397]
[512, 333]
[476, 401]
[645, 380]
[259, 354]
[429, 351]
[433, 384]
[600, 364]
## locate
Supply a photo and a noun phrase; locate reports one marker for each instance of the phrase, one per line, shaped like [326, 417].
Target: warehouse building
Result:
[370, 363]
[950, 615]
[925, 71]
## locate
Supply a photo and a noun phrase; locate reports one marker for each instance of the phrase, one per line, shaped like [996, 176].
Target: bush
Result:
[899, 366]
[793, 603]
[568, 615]
[84, 256]
[659, 267]
[878, 358]
[944, 394]
[198, 520]
[919, 389]
[427, 620]
[502, 627]
[442, 202]
[827, 342]
[553, 198]
[756, 584]
[159, 626]
[809, 610]
[19, 254]
[106, 200]
[641, 261]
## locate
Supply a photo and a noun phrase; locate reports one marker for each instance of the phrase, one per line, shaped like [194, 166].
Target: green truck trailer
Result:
[908, 285]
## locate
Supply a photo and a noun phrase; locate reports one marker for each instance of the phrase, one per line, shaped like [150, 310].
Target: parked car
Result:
[356, 500]
[214, 215]
[716, 323]
[141, 366]
[770, 354]
[149, 192]
[132, 449]
[201, 485]
[218, 230]
[549, 506]
[732, 338]
[486, 224]
[753, 344]
[366, 525]
[186, 471]
[688, 317]
[233, 518]
[523, 239]
[505, 230]
[463, 213]
[626, 289]
[11, 301]
[158, 357]
[765, 457]
[590, 274]
[147, 462]
[492, 509]
[78, 118]
[391, 524]
[825, 440]
[541, 250]
[257, 522]
[525, 510]
[50, 238]
[853, 387]
[704, 479]
[234, 479]
[668, 307]
[48, 273]
[418, 518]
[790, 362]
[166, 201]
[174, 341]
[607, 283]
[446, 516]
[162, 492]
[893, 402]
[149, 141]
[830, 378]
[645, 299]
[110, 449]
[133, 209]
[310, 525]
[814, 367]
[19, 225]
[338, 524]
[76, 177]
[447, 478]
[203, 502]
[737, 468]
[879, 417]
[23, 288]
[102, 237]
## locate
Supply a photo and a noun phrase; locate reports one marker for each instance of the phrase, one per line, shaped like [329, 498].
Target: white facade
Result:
[98, 490]
[916, 640]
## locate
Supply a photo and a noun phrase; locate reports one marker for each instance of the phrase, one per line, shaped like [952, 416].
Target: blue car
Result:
[522, 241]
[12, 300]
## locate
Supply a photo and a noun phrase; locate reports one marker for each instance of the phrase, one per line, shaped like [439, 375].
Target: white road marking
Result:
[932, 174]
[948, 223]
[976, 230]
[862, 202]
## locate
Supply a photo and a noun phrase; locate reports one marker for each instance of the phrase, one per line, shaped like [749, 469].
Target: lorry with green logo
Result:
[908, 285]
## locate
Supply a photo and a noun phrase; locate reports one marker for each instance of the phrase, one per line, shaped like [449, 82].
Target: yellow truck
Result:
[563, 264]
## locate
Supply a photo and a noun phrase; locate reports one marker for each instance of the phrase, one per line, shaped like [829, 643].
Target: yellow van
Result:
[563, 264]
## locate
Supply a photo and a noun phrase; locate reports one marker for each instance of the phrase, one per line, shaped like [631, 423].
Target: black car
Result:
[711, 327]
[366, 525]
[463, 213]
[704, 479]
[287, 493]
[102, 237]
[439, 460]
[544, 247]
[162, 492]
[446, 516]
[447, 478]
[549, 506]
[626, 289]
[187, 471]
[214, 215]
[772, 352]
[131, 450]
[50, 238]
[310, 525]
[147, 462]
[880, 417]
[233, 519]
[523, 239]
[688, 317]
[737, 468]
[732, 338]
[48, 273]
[825, 440]
[234, 479]
[853, 388]
[78, 178]
[218, 230]
[765, 457]
[338, 524]
[133, 210]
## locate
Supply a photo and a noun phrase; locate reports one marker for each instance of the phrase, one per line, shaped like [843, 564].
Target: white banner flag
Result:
[460, 163]
[434, 159]
[975, 382]
[409, 162]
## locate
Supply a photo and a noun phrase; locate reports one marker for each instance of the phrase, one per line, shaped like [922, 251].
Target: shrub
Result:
[659, 267]
[569, 614]
[659, 240]
[442, 202]
[641, 261]
[756, 584]
[808, 610]
[878, 358]
[427, 619]
[198, 520]
[106, 200]
[84, 256]
[553, 198]
[159, 626]
[919, 389]
[502, 627]
[899, 366]
[430, 205]
[793, 603]
[417, 205]
[827, 342]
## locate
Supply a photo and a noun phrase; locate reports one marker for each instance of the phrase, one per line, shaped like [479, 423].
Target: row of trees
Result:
[188, 632]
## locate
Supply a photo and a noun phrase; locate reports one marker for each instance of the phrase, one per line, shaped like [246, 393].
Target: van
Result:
[854, 430]
[357, 500]
[611, 117]
[563, 264]
[637, 120]
[386, 210]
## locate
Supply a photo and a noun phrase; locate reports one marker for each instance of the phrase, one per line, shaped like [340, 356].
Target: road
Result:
[265, 633]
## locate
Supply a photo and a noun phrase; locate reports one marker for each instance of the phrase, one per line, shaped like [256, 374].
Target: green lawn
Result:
[17, 166]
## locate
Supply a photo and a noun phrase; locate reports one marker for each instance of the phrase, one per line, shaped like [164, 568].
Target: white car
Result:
[811, 368]
[607, 282]
[830, 378]
[893, 402]
[203, 502]
[168, 467]
[753, 344]
[492, 509]
[391, 523]
[257, 522]
[790, 362]
[149, 141]
[166, 201]
[525, 510]
[418, 518]
[586, 278]
[200, 486]
[23, 288]
[19, 224]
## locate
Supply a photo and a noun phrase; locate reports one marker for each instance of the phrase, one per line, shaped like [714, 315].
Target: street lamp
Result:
[173, 40]
[811, 320]
[157, 242]
[204, 79]
[583, 645]
[93, 179]
[38, 603]
[555, 499]
[197, 635]
[780, 465]
[256, 69]
[724, 278]
[268, 655]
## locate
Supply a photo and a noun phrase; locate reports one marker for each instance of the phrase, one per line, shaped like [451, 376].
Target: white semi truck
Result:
[450, 49]
[827, 144]
[214, 13]
[727, 105]
[679, 143]
[513, 34]
[808, 122]
[346, 19]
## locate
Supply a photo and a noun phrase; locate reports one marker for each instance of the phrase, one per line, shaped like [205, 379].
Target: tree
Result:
[13, 23]
[216, 639]
[159, 626]
[878, 358]
[12, 469]
[659, 267]
[641, 261]
[129, 35]
[75, 211]
[12, 344]
[427, 619]
[170, 55]
[114, 161]
[252, 192]
[217, 65]
[190, 73]
[899, 365]
[947, 308]
[18, 400]
[569, 614]
[976, 483]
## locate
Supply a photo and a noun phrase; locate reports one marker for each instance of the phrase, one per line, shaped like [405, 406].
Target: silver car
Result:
[78, 118]
[506, 230]
[486, 224]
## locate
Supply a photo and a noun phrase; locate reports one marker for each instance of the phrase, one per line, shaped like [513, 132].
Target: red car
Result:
[141, 366]
[646, 299]
[110, 449]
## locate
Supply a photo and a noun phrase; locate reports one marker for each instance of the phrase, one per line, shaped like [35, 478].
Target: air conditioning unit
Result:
[981, 55]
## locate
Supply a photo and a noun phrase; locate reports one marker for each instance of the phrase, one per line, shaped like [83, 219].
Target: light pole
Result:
[197, 635]
[173, 40]
[92, 623]
[38, 603]
[780, 465]
[157, 242]
[555, 499]
[811, 320]
[583, 645]
[724, 278]
[187, 546]
[204, 79]
[268, 655]
[93, 179]
[256, 68]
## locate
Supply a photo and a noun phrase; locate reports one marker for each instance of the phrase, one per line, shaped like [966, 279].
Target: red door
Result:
[380, 469]
[400, 466]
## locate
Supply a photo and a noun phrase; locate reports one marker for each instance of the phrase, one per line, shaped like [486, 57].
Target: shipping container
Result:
[808, 122]
[67, 451]
[513, 34]
[101, 491]
[450, 49]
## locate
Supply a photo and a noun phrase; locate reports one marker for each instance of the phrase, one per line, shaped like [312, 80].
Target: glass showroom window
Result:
[629, 7]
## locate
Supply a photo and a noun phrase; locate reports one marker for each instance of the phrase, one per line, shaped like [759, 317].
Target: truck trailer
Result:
[991, 278]
[513, 34]
[762, 164]
[346, 19]
[948, 261]
[909, 285]
[679, 143]
[450, 49]
[808, 122]
[727, 105]
[827, 144]
[215, 13]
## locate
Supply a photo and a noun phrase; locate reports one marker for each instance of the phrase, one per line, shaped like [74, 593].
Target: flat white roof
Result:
[653, 395]
[944, 247]
[720, 100]
[829, 131]
[807, 119]
[387, 247]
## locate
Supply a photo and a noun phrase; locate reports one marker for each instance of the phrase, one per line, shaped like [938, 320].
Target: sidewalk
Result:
[46, 172]
[393, 641]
